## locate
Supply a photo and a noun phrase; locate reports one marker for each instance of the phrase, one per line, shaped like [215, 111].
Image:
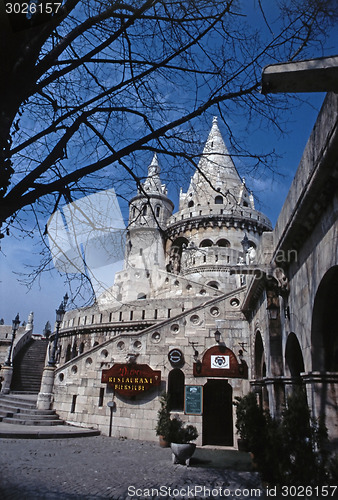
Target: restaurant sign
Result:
[131, 379]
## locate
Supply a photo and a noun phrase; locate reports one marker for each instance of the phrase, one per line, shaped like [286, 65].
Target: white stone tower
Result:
[217, 225]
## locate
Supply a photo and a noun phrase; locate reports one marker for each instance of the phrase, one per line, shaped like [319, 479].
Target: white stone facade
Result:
[189, 274]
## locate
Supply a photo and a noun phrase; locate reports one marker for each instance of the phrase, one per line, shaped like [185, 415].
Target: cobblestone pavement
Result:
[101, 467]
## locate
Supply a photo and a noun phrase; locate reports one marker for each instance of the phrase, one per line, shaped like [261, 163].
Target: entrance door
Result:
[217, 413]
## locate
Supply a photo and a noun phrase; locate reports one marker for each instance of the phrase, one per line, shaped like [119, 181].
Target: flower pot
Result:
[243, 445]
[182, 452]
[163, 442]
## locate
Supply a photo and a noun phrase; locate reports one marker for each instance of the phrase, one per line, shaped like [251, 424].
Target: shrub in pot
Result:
[163, 426]
[181, 436]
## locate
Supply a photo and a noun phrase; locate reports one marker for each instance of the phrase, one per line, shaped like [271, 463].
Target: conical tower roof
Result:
[215, 173]
[153, 183]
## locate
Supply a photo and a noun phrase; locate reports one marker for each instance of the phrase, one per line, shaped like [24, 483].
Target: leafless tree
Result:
[89, 87]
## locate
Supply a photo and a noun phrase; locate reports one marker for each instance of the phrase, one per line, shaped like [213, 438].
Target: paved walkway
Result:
[108, 468]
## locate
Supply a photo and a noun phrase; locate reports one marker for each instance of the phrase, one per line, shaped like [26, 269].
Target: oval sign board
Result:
[176, 357]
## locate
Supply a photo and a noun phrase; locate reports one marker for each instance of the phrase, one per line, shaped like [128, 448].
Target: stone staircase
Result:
[21, 409]
[28, 367]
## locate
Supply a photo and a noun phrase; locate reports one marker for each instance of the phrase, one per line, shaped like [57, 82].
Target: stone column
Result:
[7, 373]
[45, 396]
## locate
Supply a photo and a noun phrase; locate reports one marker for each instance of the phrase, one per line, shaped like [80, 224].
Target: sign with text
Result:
[193, 400]
[131, 379]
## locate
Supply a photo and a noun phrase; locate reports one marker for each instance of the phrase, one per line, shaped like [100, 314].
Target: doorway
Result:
[217, 413]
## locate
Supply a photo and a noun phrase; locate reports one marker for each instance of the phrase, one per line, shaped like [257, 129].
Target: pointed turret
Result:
[216, 173]
[214, 215]
[153, 183]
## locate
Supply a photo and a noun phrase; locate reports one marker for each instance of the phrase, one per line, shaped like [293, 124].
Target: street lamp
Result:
[217, 336]
[60, 313]
[273, 311]
[15, 326]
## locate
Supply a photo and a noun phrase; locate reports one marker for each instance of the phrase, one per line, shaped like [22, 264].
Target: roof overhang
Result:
[313, 75]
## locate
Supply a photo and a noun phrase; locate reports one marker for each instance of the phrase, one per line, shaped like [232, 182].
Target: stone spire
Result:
[216, 163]
[216, 171]
[153, 183]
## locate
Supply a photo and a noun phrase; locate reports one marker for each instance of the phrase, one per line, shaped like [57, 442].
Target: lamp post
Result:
[60, 313]
[15, 326]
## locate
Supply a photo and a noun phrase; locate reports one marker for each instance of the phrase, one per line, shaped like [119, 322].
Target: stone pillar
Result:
[45, 396]
[7, 373]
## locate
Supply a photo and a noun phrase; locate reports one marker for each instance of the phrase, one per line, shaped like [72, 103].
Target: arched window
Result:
[157, 210]
[223, 243]
[219, 200]
[190, 204]
[74, 350]
[214, 284]
[81, 348]
[206, 243]
[144, 210]
[176, 389]
[68, 353]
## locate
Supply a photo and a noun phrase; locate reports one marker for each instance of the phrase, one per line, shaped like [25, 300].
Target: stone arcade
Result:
[212, 302]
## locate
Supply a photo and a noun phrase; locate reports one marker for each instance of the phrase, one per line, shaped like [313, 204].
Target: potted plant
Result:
[163, 426]
[250, 422]
[181, 436]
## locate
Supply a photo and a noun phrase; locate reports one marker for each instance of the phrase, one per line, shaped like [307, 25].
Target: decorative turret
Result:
[149, 212]
[215, 214]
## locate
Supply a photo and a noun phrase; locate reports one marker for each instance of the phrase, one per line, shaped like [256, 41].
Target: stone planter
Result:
[182, 453]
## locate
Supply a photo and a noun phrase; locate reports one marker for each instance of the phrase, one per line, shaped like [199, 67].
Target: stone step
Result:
[43, 422]
[36, 412]
[16, 404]
[35, 416]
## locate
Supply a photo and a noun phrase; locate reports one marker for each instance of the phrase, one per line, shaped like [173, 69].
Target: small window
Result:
[206, 243]
[142, 296]
[190, 204]
[101, 396]
[219, 200]
[68, 353]
[214, 284]
[223, 243]
[72, 410]
[144, 210]
[157, 210]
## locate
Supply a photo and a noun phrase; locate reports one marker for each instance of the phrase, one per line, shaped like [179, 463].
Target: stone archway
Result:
[324, 331]
[260, 369]
[322, 382]
[217, 413]
[294, 363]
